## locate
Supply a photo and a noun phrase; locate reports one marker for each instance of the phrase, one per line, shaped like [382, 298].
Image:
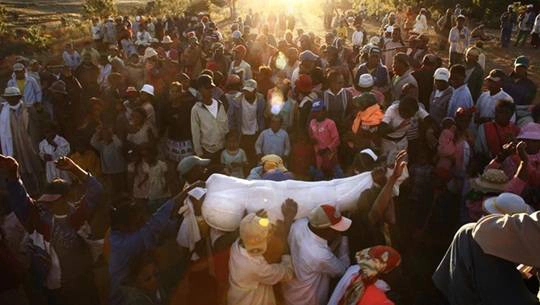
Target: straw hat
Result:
[491, 181]
[11, 91]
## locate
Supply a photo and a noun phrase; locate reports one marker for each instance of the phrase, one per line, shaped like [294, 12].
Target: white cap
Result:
[370, 153]
[506, 203]
[11, 91]
[365, 81]
[149, 89]
[250, 85]
[441, 74]
[389, 29]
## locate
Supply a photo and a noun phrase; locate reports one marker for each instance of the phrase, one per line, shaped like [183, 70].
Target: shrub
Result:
[99, 8]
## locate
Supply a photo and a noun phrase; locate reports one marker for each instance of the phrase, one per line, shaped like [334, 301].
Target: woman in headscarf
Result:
[361, 285]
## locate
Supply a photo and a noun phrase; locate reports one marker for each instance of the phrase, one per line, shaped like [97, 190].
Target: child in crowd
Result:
[86, 157]
[492, 135]
[302, 156]
[325, 138]
[113, 164]
[273, 140]
[233, 158]
[51, 149]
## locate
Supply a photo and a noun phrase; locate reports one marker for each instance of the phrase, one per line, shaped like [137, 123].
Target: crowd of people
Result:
[104, 163]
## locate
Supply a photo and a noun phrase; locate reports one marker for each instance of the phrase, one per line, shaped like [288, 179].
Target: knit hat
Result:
[304, 83]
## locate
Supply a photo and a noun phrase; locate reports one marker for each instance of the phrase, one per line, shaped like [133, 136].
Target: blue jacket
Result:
[235, 112]
[126, 246]
[32, 90]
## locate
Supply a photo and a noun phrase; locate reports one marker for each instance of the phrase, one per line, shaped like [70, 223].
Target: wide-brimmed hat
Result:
[506, 203]
[11, 91]
[491, 181]
[149, 53]
[530, 131]
[148, 89]
[58, 86]
[167, 39]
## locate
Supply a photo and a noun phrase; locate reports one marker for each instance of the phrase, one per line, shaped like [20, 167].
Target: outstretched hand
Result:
[399, 164]
[66, 164]
[289, 208]
[10, 165]
[522, 152]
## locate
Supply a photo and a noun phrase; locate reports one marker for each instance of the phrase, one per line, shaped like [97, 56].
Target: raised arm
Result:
[384, 199]
[19, 200]
[92, 196]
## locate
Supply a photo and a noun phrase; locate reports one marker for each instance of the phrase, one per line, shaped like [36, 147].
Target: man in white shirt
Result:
[251, 276]
[488, 99]
[358, 36]
[246, 117]
[397, 121]
[314, 241]
[239, 66]
[458, 38]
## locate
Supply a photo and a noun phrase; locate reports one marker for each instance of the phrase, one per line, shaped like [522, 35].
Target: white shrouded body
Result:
[227, 198]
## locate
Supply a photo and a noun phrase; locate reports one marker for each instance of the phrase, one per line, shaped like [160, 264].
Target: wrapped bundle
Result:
[228, 198]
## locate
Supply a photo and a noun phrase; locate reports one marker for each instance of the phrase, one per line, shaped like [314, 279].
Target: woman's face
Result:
[147, 279]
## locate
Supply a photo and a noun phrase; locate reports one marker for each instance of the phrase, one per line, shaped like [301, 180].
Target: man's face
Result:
[19, 74]
[13, 100]
[493, 85]
[521, 71]
[337, 83]
[456, 79]
[471, 58]
[250, 95]
[206, 92]
[373, 59]
[460, 22]
[398, 67]
[441, 85]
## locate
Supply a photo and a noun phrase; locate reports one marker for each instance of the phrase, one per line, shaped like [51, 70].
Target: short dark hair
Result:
[408, 105]
[505, 104]
[458, 69]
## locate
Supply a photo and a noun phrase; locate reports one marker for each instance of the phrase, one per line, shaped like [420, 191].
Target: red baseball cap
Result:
[327, 216]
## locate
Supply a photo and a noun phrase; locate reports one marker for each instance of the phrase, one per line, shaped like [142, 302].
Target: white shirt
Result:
[357, 38]
[486, 103]
[251, 278]
[314, 265]
[457, 43]
[392, 118]
[249, 117]
[213, 108]
[61, 150]
[243, 70]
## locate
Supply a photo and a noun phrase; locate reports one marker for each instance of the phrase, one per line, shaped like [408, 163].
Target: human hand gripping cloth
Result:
[228, 198]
